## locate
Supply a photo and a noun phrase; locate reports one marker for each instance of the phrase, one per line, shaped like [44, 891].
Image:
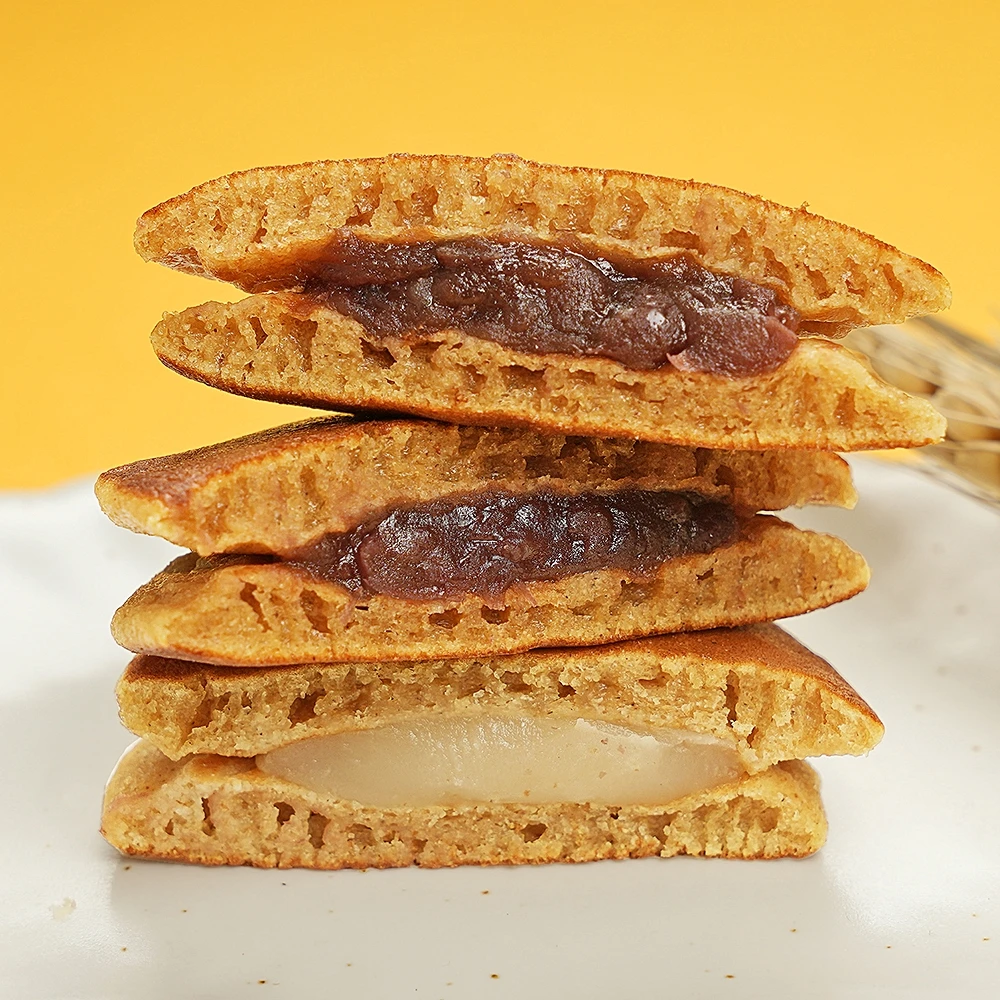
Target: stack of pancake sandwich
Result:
[513, 599]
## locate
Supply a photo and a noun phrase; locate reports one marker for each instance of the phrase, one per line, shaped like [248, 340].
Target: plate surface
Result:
[902, 902]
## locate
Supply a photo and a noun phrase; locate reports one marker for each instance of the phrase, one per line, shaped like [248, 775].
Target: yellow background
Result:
[882, 115]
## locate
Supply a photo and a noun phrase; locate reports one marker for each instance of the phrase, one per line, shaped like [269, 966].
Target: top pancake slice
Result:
[256, 227]
[277, 490]
[755, 687]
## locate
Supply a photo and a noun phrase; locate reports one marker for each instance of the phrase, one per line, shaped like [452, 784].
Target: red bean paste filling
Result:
[543, 299]
[484, 543]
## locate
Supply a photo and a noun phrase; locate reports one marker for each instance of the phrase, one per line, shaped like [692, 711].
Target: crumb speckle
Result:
[485, 892]
[986, 939]
[793, 930]
[728, 976]
[124, 948]
[126, 868]
[261, 982]
[494, 976]
[183, 911]
[61, 911]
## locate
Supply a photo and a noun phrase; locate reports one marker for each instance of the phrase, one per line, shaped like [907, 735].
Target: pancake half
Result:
[500, 291]
[755, 688]
[291, 349]
[237, 611]
[280, 489]
[685, 744]
[215, 810]
[265, 226]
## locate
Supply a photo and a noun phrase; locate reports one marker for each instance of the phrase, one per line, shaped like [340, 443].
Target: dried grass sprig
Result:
[960, 375]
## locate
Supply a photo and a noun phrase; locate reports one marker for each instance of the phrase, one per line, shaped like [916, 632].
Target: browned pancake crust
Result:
[259, 614]
[754, 687]
[240, 227]
[223, 811]
[281, 489]
[289, 350]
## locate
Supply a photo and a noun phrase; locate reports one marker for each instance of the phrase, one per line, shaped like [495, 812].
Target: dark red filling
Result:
[545, 299]
[485, 543]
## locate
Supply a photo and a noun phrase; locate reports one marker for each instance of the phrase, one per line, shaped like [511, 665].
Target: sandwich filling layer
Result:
[551, 299]
[484, 543]
[452, 760]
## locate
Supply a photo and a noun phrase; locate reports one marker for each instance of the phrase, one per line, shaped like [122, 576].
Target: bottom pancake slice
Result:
[214, 810]
[289, 349]
[255, 614]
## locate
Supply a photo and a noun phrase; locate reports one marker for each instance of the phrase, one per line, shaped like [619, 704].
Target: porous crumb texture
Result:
[289, 349]
[756, 688]
[223, 811]
[243, 227]
[283, 488]
[232, 612]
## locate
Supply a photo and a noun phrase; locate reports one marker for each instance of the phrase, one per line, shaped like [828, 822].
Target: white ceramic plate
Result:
[902, 902]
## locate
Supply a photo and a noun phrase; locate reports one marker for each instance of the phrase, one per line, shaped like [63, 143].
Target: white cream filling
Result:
[448, 760]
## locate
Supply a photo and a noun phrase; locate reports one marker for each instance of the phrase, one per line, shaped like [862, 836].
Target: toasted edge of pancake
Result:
[755, 687]
[289, 349]
[246, 226]
[232, 611]
[282, 488]
[214, 810]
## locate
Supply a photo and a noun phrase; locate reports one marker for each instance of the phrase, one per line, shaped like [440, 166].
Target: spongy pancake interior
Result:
[245, 226]
[279, 489]
[822, 397]
[755, 688]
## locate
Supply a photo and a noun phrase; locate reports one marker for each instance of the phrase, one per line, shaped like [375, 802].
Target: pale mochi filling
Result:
[456, 760]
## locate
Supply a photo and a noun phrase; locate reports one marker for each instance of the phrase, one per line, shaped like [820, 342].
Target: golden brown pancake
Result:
[282, 488]
[276, 229]
[755, 691]
[293, 350]
[247, 226]
[235, 611]
[214, 810]
[755, 687]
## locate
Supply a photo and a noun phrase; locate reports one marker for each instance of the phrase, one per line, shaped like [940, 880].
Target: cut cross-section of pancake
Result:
[757, 689]
[373, 603]
[214, 810]
[291, 350]
[684, 744]
[502, 292]
[280, 226]
[281, 489]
